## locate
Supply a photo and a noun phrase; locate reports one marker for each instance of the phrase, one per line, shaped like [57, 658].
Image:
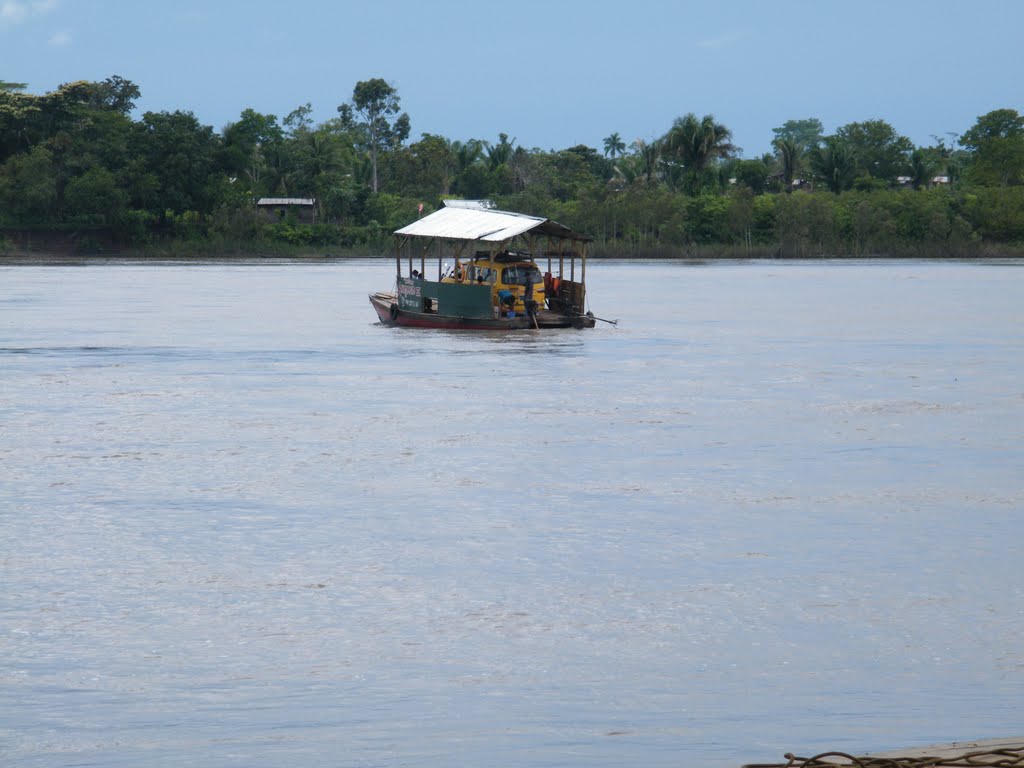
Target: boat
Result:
[494, 281]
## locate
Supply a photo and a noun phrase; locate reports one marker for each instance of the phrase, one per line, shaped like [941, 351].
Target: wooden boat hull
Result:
[386, 307]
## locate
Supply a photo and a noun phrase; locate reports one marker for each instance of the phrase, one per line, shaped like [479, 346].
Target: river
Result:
[777, 508]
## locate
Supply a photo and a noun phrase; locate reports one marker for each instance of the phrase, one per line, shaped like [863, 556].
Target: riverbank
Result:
[979, 752]
[63, 244]
[956, 748]
[185, 251]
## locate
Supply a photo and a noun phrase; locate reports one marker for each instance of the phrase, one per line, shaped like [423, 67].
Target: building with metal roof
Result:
[277, 208]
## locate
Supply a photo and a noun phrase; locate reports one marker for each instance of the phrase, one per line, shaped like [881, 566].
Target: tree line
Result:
[76, 160]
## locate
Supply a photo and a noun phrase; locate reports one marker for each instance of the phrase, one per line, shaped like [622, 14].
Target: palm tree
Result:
[696, 144]
[626, 171]
[319, 159]
[279, 171]
[466, 162]
[923, 167]
[614, 146]
[650, 156]
[362, 169]
[466, 153]
[790, 156]
[835, 162]
[318, 153]
[500, 153]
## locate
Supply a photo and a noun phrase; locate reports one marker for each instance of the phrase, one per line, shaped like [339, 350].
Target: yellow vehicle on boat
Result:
[514, 279]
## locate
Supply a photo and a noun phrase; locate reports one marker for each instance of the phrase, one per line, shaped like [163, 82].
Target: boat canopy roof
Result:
[477, 220]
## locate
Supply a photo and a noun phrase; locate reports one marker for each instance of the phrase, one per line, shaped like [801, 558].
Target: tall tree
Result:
[835, 163]
[28, 187]
[423, 169]
[570, 173]
[805, 134]
[696, 144]
[468, 173]
[62, 110]
[95, 193]
[649, 157]
[996, 146]
[246, 145]
[881, 153]
[466, 153]
[279, 172]
[752, 174]
[299, 121]
[116, 94]
[923, 167]
[374, 103]
[319, 152]
[178, 153]
[322, 170]
[614, 146]
[790, 154]
[499, 154]
[998, 124]
[19, 118]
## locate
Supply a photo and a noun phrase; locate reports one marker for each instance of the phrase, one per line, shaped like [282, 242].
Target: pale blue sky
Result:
[549, 74]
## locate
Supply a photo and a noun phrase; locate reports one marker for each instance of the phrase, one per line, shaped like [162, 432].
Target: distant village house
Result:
[908, 181]
[303, 209]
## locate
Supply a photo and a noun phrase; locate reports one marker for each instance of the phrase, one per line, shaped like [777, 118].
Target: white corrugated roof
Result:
[469, 224]
[285, 201]
[478, 205]
[461, 222]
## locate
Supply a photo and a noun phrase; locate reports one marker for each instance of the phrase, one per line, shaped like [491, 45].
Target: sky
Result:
[551, 74]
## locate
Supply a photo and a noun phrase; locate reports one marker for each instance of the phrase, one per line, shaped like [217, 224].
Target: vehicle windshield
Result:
[481, 274]
[521, 274]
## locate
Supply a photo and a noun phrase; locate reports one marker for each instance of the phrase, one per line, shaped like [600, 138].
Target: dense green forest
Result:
[75, 161]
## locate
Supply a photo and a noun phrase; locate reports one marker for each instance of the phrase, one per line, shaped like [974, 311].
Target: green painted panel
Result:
[455, 299]
[410, 294]
[464, 300]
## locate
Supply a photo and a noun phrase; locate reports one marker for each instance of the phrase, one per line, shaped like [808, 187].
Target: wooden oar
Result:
[595, 317]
